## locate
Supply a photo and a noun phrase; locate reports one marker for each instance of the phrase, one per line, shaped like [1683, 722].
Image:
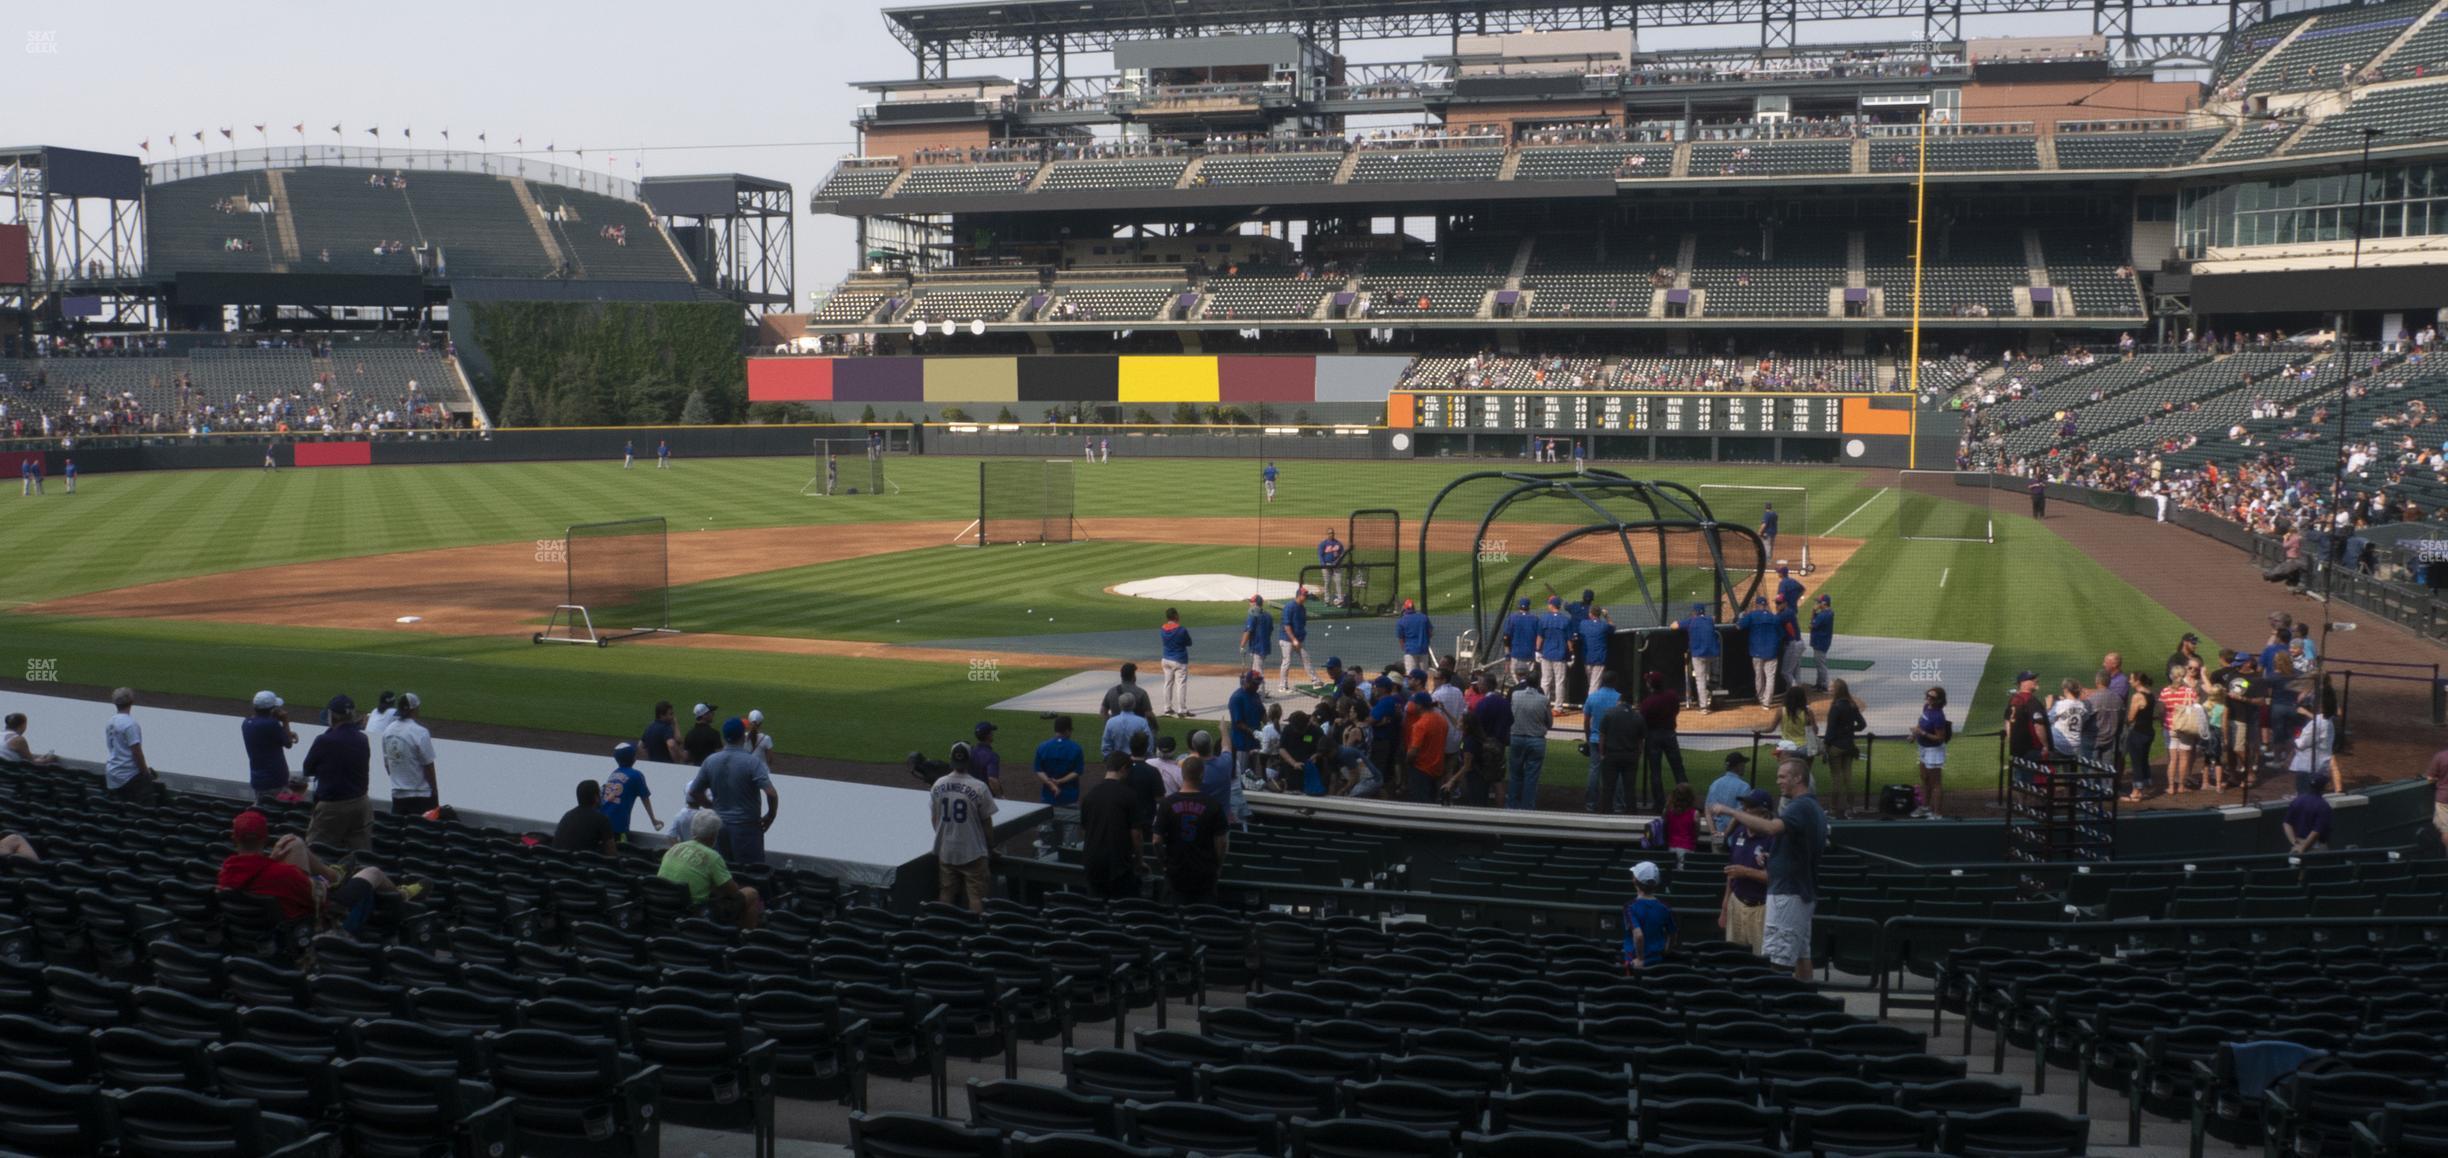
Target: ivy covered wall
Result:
[607, 363]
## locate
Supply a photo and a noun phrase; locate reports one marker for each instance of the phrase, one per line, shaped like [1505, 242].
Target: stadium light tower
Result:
[2337, 483]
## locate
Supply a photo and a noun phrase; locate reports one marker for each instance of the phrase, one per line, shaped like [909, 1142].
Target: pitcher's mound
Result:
[1214, 588]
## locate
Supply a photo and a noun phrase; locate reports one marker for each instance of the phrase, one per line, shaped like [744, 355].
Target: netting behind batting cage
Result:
[619, 576]
[1026, 500]
[1373, 548]
[1642, 575]
[849, 466]
[1750, 506]
[1944, 505]
[1353, 590]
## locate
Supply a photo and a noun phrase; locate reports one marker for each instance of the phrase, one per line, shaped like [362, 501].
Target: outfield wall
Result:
[1124, 379]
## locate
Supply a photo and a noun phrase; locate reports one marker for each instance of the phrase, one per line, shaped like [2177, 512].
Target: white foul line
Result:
[1943, 572]
[1857, 510]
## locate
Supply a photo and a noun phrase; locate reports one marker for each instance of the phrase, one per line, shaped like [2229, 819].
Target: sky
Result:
[646, 89]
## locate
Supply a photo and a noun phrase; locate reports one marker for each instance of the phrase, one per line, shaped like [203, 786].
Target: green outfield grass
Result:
[2034, 598]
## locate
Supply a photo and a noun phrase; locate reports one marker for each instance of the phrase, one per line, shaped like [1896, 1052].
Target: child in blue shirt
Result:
[1648, 923]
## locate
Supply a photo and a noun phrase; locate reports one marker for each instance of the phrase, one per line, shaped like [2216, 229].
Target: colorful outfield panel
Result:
[1291, 378]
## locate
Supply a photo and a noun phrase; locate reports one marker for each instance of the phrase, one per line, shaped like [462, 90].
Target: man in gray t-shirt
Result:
[1526, 754]
[1801, 831]
[2104, 717]
[962, 810]
[729, 782]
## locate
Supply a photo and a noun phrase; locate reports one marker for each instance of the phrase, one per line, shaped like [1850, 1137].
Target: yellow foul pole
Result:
[1912, 380]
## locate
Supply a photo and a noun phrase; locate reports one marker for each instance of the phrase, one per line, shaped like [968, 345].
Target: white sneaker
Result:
[1920, 814]
[1283, 689]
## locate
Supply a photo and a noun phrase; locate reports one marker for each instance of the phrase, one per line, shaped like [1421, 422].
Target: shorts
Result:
[2439, 816]
[2176, 743]
[960, 880]
[411, 805]
[1786, 931]
[742, 843]
[345, 824]
[353, 900]
[1934, 756]
[1745, 924]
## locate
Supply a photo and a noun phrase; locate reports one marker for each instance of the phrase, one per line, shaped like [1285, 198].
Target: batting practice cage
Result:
[849, 466]
[1640, 552]
[616, 572]
[1945, 505]
[1368, 581]
[1750, 506]
[1025, 500]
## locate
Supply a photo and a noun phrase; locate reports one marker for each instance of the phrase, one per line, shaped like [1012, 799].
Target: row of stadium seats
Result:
[2336, 48]
[363, 381]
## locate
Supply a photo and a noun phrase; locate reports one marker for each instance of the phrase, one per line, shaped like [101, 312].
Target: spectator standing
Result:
[729, 783]
[2307, 818]
[1113, 832]
[2141, 731]
[1680, 821]
[1245, 712]
[585, 828]
[984, 761]
[339, 774]
[760, 741]
[1930, 734]
[697, 864]
[408, 758]
[962, 811]
[2315, 766]
[1661, 747]
[624, 789]
[1727, 789]
[386, 710]
[1425, 733]
[1058, 764]
[1120, 729]
[1648, 923]
[1166, 766]
[2181, 714]
[1126, 697]
[1800, 830]
[268, 738]
[1743, 910]
[1619, 743]
[1174, 641]
[1840, 738]
[661, 741]
[2069, 722]
[2026, 719]
[703, 738]
[1494, 717]
[2438, 775]
[1144, 779]
[1190, 828]
[1602, 698]
[125, 773]
[1527, 753]
[2104, 721]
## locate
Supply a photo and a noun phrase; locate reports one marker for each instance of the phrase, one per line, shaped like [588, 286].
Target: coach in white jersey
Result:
[962, 810]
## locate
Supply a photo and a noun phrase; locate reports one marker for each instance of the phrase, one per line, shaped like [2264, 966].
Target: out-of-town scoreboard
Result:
[1608, 411]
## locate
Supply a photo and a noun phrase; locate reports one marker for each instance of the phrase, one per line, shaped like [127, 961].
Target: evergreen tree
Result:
[518, 407]
[694, 412]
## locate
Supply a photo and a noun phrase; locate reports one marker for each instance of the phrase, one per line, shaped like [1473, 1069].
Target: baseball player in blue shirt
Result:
[1295, 640]
[1174, 639]
[1258, 636]
[1416, 635]
[1521, 637]
[1767, 638]
[1595, 630]
[1768, 527]
[1822, 636]
[1268, 475]
[1789, 589]
[68, 469]
[628, 454]
[1700, 642]
[1555, 632]
[1330, 558]
[663, 454]
[25, 477]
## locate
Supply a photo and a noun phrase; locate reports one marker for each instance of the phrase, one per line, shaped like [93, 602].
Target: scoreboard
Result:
[1601, 411]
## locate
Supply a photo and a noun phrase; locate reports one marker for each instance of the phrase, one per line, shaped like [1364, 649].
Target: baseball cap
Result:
[625, 748]
[1525, 603]
[960, 755]
[984, 728]
[1422, 699]
[1165, 744]
[1420, 674]
[249, 827]
[1382, 683]
[755, 716]
[1252, 677]
[1700, 607]
[386, 699]
[1782, 569]
[265, 701]
[1755, 798]
[2189, 637]
[734, 729]
[1655, 679]
[1200, 738]
[1555, 601]
[1334, 663]
[703, 710]
[1646, 872]
[1825, 599]
[1254, 600]
[341, 704]
[410, 701]
[2026, 674]
[1736, 760]
[1408, 605]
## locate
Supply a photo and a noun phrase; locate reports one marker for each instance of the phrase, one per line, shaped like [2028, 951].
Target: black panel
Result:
[276, 289]
[2324, 290]
[1081, 379]
[78, 173]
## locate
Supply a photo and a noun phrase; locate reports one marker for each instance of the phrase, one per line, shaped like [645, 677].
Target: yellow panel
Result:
[1169, 379]
[972, 380]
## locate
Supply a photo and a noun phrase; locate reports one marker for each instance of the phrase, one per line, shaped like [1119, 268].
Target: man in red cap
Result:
[303, 886]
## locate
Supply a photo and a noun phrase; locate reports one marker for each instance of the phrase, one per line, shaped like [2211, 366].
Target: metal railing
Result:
[520, 165]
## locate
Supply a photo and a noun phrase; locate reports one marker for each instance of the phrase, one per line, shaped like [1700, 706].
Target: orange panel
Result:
[1861, 417]
[1400, 412]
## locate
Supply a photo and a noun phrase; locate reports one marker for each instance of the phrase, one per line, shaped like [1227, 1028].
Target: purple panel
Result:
[1507, 297]
[1186, 300]
[1676, 295]
[1857, 295]
[81, 306]
[1037, 301]
[2041, 293]
[879, 379]
[1345, 298]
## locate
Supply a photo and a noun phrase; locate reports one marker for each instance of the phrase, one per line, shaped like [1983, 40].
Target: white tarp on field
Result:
[1208, 588]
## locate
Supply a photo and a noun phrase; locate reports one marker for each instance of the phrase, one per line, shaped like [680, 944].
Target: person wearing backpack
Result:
[2181, 712]
[1930, 734]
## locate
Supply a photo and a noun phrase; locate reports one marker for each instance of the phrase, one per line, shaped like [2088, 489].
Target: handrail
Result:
[520, 165]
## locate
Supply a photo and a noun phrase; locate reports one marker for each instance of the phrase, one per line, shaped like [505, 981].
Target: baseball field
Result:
[856, 623]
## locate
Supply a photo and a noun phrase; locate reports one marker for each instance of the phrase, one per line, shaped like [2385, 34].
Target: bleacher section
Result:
[1970, 266]
[186, 227]
[1770, 158]
[1230, 298]
[2401, 114]
[336, 211]
[2426, 51]
[1594, 162]
[848, 305]
[1424, 295]
[856, 181]
[965, 180]
[2133, 150]
[579, 227]
[1136, 173]
[1743, 282]
[2111, 417]
[967, 303]
[1404, 165]
[1136, 303]
[2252, 141]
[228, 388]
[2088, 265]
[477, 223]
[2337, 47]
[2248, 45]
[2074, 387]
[1954, 153]
[1270, 169]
